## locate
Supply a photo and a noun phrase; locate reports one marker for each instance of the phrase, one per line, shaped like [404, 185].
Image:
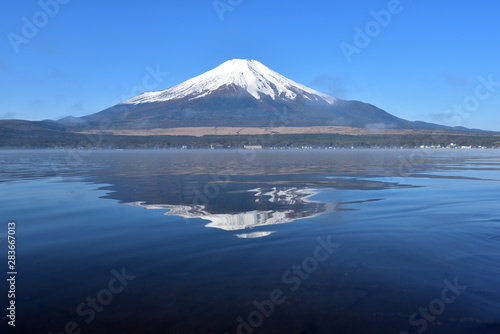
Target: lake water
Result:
[319, 241]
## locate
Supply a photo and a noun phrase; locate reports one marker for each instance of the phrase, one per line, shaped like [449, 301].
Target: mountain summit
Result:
[242, 93]
[238, 75]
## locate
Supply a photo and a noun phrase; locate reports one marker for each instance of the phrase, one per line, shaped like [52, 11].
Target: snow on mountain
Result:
[248, 75]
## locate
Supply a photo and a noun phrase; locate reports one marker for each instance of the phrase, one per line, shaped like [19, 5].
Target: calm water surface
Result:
[358, 241]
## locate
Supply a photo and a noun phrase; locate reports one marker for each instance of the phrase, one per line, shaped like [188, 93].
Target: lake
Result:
[272, 241]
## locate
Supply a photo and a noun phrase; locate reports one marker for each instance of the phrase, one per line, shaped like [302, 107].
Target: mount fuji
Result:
[242, 93]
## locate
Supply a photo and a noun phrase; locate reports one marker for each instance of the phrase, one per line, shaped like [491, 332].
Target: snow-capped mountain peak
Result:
[249, 75]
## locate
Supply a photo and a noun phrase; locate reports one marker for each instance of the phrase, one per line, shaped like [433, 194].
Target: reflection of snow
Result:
[258, 192]
[254, 235]
[228, 222]
[285, 196]
[271, 194]
[252, 219]
[240, 221]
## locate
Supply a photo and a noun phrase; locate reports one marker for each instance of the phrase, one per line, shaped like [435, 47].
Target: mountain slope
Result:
[241, 93]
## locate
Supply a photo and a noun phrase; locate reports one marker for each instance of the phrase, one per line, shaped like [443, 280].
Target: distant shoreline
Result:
[278, 141]
[62, 149]
[23, 134]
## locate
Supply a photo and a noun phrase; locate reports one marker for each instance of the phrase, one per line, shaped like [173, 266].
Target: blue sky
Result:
[420, 60]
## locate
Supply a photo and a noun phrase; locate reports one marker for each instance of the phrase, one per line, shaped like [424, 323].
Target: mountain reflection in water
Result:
[284, 200]
[242, 192]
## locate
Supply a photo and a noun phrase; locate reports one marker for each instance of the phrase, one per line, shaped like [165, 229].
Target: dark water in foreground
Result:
[362, 241]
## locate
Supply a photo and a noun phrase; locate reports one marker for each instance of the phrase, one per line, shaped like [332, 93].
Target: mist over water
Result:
[311, 241]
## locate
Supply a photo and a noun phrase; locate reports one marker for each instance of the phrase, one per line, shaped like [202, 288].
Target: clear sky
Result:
[435, 61]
